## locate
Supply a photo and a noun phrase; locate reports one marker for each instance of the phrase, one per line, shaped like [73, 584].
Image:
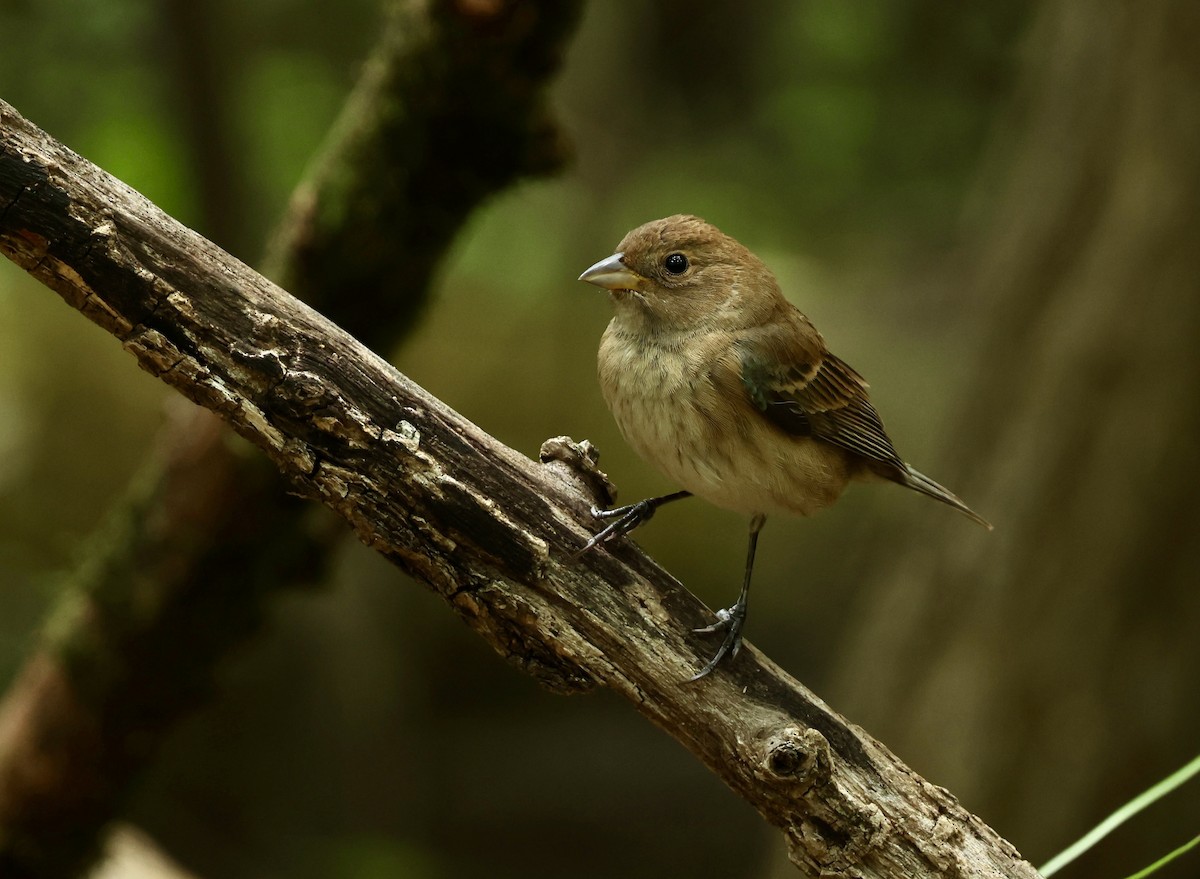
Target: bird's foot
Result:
[731, 620]
[625, 519]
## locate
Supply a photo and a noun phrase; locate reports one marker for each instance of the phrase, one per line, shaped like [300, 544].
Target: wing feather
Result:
[806, 391]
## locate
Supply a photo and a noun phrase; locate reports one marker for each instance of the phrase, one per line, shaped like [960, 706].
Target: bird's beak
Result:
[612, 274]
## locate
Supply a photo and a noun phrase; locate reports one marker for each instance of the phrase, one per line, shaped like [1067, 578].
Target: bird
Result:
[718, 381]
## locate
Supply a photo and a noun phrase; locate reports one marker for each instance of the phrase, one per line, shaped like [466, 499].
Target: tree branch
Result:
[486, 528]
[416, 118]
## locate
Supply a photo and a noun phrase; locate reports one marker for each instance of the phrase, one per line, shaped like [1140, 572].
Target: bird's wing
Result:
[806, 391]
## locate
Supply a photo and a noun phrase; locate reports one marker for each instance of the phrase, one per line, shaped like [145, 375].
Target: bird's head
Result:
[682, 274]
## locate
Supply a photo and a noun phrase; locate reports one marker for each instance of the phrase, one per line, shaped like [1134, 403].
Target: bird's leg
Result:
[628, 517]
[733, 618]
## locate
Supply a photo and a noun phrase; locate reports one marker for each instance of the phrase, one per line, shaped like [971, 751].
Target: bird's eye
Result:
[676, 263]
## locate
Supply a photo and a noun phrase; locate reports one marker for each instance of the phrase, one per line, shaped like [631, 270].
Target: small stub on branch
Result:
[576, 464]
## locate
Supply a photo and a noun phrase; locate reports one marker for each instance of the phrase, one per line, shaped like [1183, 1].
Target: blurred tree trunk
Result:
[1077, 618]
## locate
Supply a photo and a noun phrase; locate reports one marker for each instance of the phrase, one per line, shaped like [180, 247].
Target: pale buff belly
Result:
[717, 446]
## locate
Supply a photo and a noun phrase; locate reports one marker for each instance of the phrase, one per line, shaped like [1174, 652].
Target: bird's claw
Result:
[723, 617]
[625, 519]
[731, 620]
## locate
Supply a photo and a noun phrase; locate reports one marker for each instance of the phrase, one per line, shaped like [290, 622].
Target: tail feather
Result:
[918, 481]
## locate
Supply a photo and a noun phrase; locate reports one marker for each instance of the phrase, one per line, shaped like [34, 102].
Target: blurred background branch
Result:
[181, 573]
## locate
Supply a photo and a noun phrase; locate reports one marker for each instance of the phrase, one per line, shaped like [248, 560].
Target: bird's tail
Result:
[918, 481]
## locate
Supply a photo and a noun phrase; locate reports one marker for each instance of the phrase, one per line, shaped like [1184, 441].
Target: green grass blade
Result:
[1119, 817]
[1166, 859]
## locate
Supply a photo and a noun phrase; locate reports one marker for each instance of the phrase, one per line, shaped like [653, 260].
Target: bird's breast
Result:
[681, 405]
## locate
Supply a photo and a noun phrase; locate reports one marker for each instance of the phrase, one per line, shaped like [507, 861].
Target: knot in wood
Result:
[798, 756]
[306, 389]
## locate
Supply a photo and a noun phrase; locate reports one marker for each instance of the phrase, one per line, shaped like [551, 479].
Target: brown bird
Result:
[728, 389]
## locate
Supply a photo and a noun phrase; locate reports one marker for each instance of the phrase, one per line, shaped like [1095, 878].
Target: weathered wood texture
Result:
[488, 529]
